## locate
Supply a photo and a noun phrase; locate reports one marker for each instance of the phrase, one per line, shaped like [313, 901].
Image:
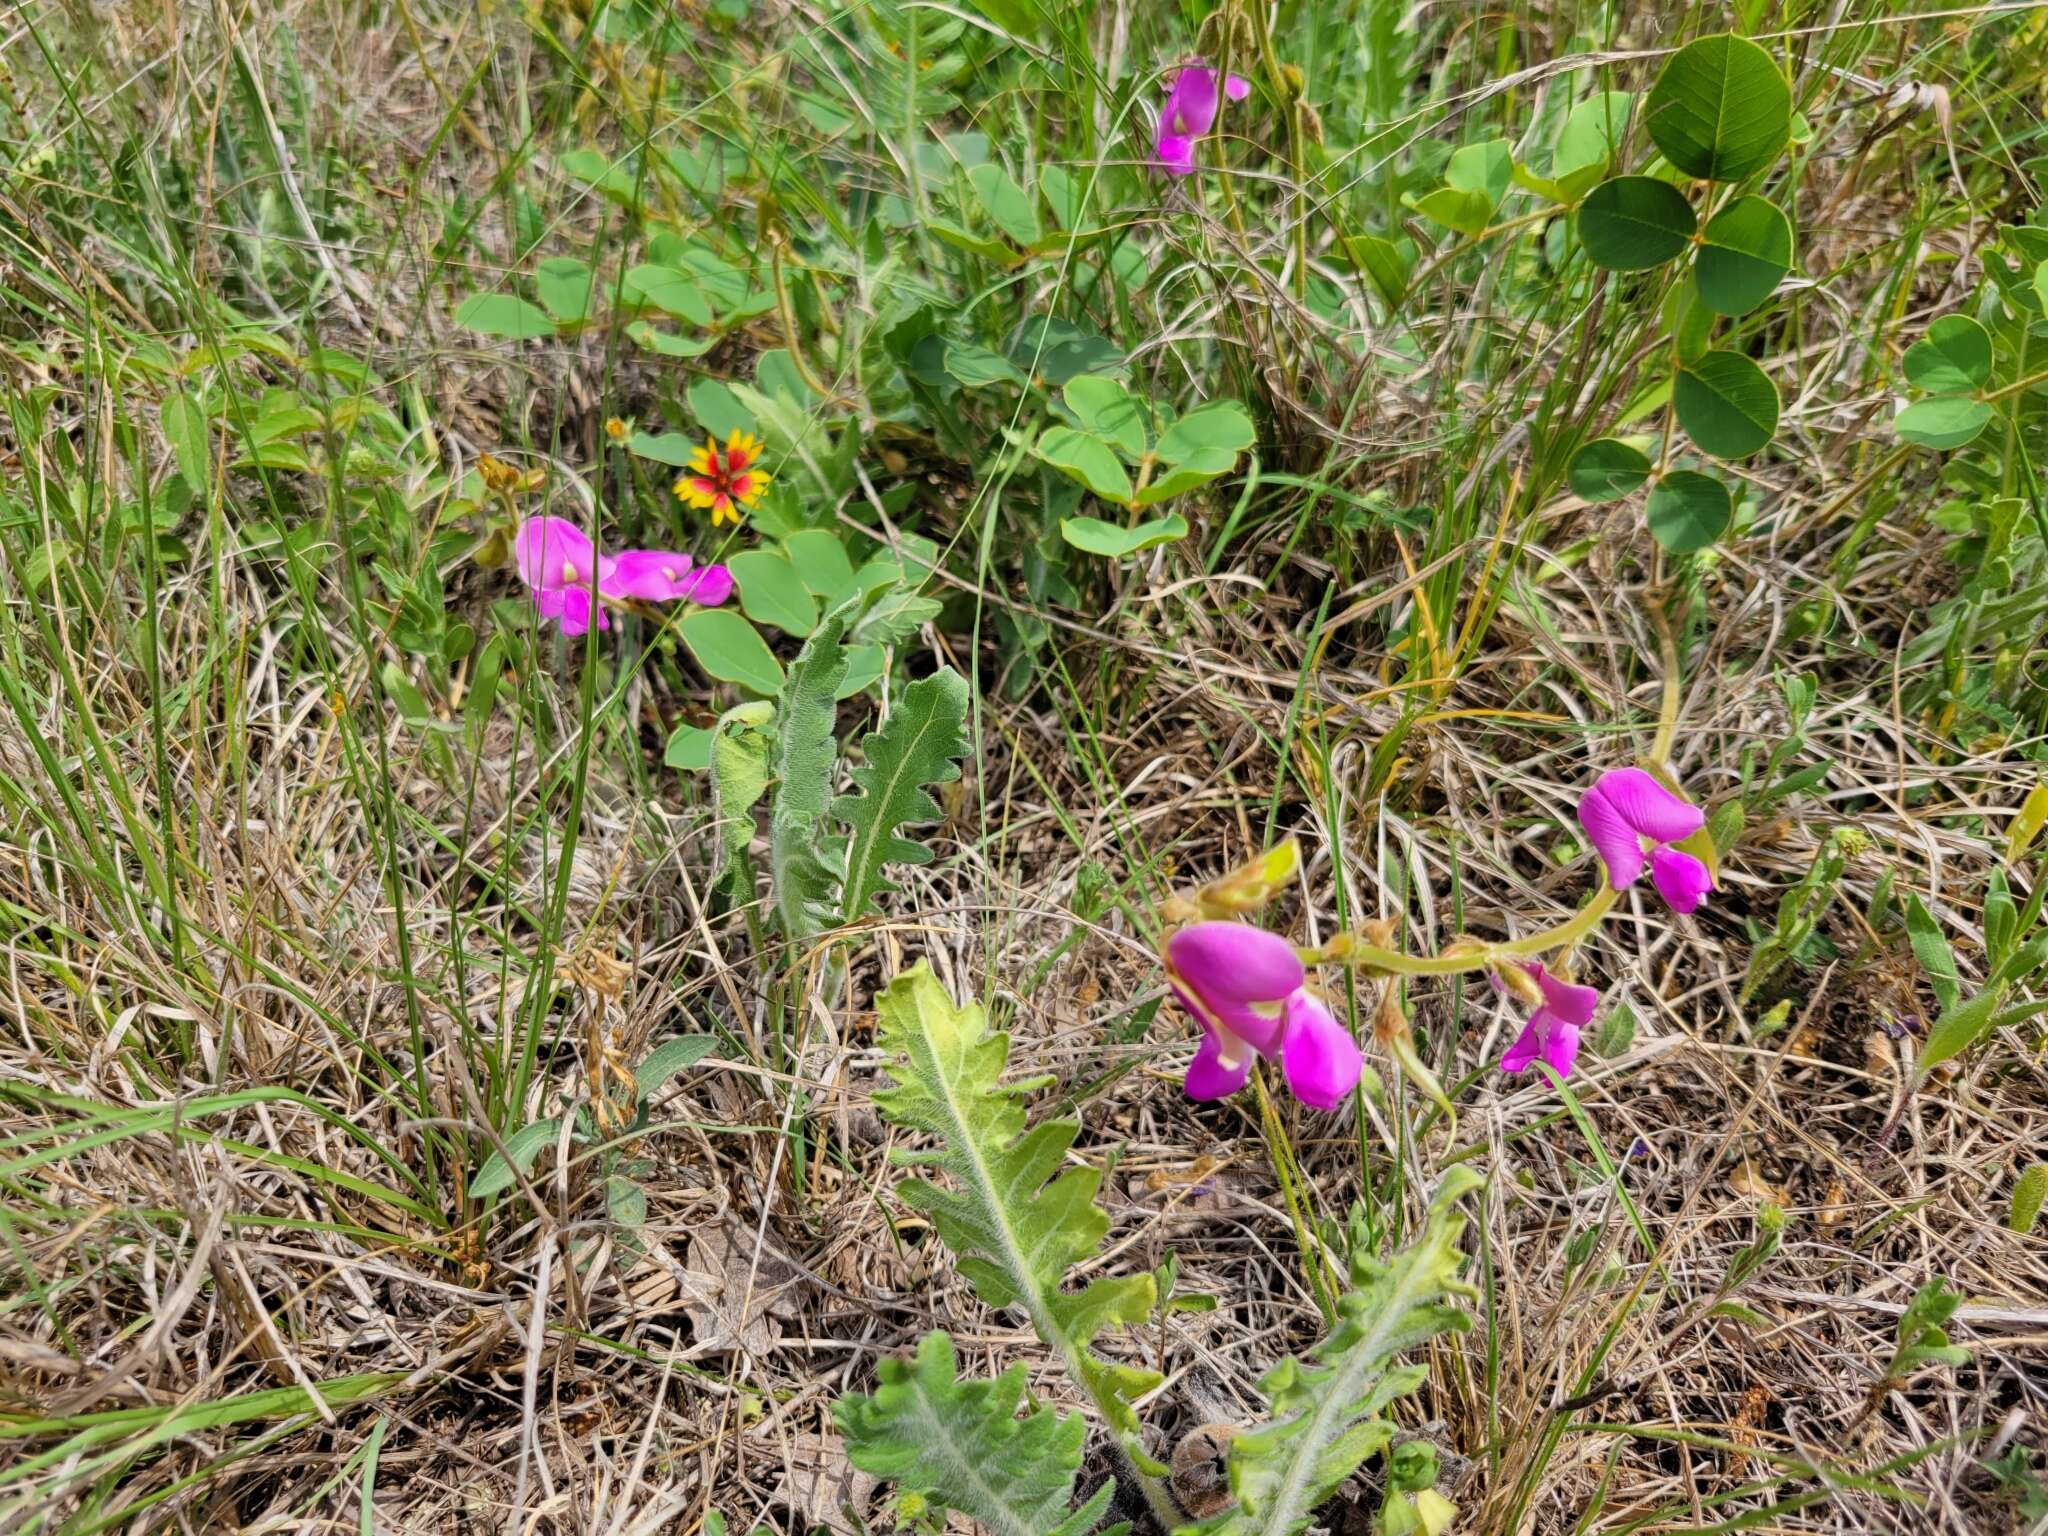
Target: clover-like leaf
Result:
[1944, 422]
[1607, 469]
[1109, 411]
[1114, 542]
[1745, 252]
[1633, 223]
[503, 314]
[1953, 358]
[1089, 460]
[1726, 403]
[730, 649]
[771, 592]
[1687, 511]
[1721, 109]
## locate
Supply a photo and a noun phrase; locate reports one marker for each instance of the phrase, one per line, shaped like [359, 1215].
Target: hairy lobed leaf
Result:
[962, 1446]
[805, 753]
[1015, 1221]
[926, 730]
[1327, 1416]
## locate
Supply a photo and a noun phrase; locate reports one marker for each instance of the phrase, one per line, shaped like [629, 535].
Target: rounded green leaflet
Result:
[1687, 511]
[1953, 358]
[1607, 469]
[1721, 110]
[1221, 426]
[730, 649]
[503, 314]
[1745, 252]
[1089, 460]
[1097, 537]
[1727, 405]
[1947, 421]
[1633, 223]
[771, 592]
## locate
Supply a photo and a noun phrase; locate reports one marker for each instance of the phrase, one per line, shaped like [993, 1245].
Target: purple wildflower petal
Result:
[1257, 1026]
[1208, 1078]
[1681, 879]
[1566, 1000]
[1620, 849]
[1319, 1059]
[1527, 1043]
[1234, 963]
[1236, 87]
[652, 575]
[1177, 154]
[1190, 108]
[1561, 1045]
[711, 585]
[553, 552]
[1648, 807]
[572, 606]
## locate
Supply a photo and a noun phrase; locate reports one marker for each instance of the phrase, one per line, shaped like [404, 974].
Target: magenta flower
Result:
[1627, 805]
[1553, 1029]
[1190, 112]
[660, 576]
[1244, 986]
[555, 559]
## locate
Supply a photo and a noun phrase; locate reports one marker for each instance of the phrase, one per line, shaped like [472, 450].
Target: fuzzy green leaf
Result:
[740, 747]
[962, 1445]
[1015, 1233]
[917, 745]
[1327, 1416]
[805, 753]
[2028, 1196]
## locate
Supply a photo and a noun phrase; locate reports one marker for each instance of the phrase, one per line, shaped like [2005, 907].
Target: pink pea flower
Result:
[555, 559]
[1553, 1029]
[1626, 806]
[660, 576]
[1190, 112]
[1244, 986]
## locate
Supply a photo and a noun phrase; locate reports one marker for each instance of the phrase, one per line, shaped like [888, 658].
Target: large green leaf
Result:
[963, 1446]
[1221, 426]
[503, 314]
[821, 562]
[741, 747]
[1109, 411]
[564, 283]
[1387, 265]
[1328, 1412]
[1474, 183]
[771, 592]
[1089, 460]
[1607, 469]
[1745, 252]
[191, 438]
[671, 291]
[919, 744]
[1953, 358]
[1114, 542]
[730, 649]
[1632, 223]
[1726, 403]
[1687, 511]
[1944, 422]
[1009, 207]
[1591, 136]
[1015, 1212]
[1721, 109]
[523, 1145]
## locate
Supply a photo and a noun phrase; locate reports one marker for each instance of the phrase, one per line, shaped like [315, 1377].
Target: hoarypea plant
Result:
[1019, 1215]
[1249, 991]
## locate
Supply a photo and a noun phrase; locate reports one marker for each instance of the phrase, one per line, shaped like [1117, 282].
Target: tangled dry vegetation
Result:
[225, 1308]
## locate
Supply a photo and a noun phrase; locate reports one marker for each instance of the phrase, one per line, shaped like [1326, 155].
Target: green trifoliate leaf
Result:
[1328, 1414]
[917, 745]
[1016, 1216]
[962, 1445]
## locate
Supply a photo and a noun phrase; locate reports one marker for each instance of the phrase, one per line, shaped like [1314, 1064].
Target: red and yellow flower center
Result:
[725, 480]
